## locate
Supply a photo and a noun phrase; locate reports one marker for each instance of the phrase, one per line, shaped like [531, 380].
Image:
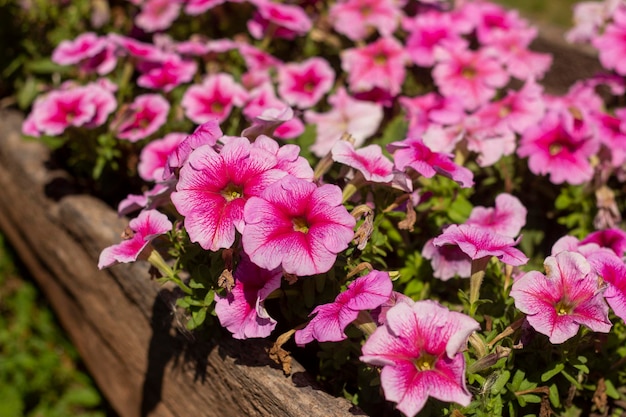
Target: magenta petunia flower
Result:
[378, 64]
[157, 14]
[153, 157]
[213, 99]
[356, 18]
[298, 225]
[144, 116]
[369, 160]
[613, 272]
[412, 153]
[420, 350]
[213, 188]
[304, 84]
[479, 243]
[348, 115]
[447, 261]
[614, 239]
[557, 148]
[611, 44]
[140, 50]
[242, 311]
[557, 303]
[288, 157]
[89, 51]
[287, 20]
[471, 76]
[141, 231]
[428, 109]
[507, 218]
[365, 293]
[167, 75]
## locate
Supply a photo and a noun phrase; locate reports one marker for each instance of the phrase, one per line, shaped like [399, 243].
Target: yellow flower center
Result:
[300, 225]
[232, 192]
[425, 362]
[563, 308]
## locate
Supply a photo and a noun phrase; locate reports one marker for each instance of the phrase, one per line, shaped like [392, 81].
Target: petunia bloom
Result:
[612, 270]
[557, 303]
[242, 311]
[330, 321]
[447, 261]
[213, 188]
[298, 225]
[506, 218]
[213, 99]
[356, 18]
[153, 157]
[157, 14]
[369, 161]
[144, 116]
[141, 231]
[420, 349]
[303, 84]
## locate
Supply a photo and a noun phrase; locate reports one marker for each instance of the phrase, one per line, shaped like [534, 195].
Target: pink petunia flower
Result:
[213, 188]
[378, 64]
[471, 76]
[303, 84]
[507, 218]
[613, 273]
[206, 134]
[356, 18]
[557, 148]
[611, 45]
[447, 261]
[358, 118]
[242, 311]
[141, 231]
[154, 155]
[614, 239]
[479, 243]
[369, 160]
[140, 50]
[298, 225]
[288, 157]
[412, 153]
[213, 99]
[197, 7]
[420, 350]
[287, 20]
[157, 196]
[428, 109]
[91, 52]
[365, 293]
[157, 14]
[557, 303]
[172, 72]
[144, 116]
[511, 48]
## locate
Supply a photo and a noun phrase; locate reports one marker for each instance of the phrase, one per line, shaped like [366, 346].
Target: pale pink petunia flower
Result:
[197, 7]
[213, 99]
[447, 261]
[288, 157]
[420, 349]
[370, 161]
[330, 321]
[506, 218]
[479, 243]
[490, 142]
[206, 134]
[428, 109]
[141, 231]
[157, 196]
[413, 153]
[157, 14]
[153, 157]
[358, 118]
[589, 18]
[286, 20]
[471, 76]
[378, 64]
[556, 304]
[511, 48]
[298, 225]
[144, 116]
[242, 311]
[356, 18]
[490, 19]
[558, 148]
[277, 122]
[303, 84]
[213, 188]
[167, 75]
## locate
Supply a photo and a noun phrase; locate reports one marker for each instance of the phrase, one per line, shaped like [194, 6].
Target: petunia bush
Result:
[386, 186]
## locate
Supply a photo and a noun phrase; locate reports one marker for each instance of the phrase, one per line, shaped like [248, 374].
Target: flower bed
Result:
[122, 323]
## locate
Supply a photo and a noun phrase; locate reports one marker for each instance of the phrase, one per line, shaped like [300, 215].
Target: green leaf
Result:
[546, 376]
[500, 382]
[395, 131]
[83, 396]
[517, 380]
[555, 400]
[571, 379]
[610, 389]
[531, 398]
[11, 404]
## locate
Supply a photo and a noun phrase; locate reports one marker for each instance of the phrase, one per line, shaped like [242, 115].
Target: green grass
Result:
[557, 12]
[40, 374]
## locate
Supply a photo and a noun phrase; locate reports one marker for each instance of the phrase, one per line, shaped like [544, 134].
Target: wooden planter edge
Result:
[121, 322]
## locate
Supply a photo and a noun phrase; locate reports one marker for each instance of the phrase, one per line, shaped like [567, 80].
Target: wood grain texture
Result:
[121, 322]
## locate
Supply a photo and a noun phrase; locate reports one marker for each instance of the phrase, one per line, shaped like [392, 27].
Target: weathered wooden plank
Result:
[121, 321]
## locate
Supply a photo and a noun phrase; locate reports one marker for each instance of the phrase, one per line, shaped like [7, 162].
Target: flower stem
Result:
[159, 263]
[365, 323]
[476, 280]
